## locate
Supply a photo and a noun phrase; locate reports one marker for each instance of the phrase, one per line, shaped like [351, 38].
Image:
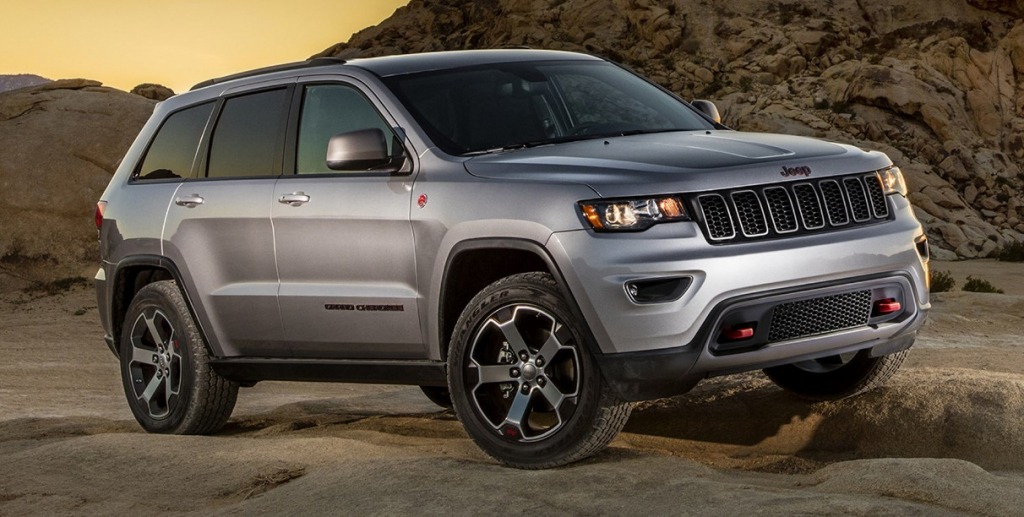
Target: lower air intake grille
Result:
[792, 320]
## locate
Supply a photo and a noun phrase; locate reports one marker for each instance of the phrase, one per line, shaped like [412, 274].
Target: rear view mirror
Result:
[708, 108]
[362, 150]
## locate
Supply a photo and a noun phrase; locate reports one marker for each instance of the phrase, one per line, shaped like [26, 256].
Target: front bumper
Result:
[667, 372]
[650, 350]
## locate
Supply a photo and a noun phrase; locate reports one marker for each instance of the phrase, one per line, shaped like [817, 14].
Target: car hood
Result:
[690, 160]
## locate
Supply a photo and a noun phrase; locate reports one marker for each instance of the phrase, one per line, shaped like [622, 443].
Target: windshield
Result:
[512, 105]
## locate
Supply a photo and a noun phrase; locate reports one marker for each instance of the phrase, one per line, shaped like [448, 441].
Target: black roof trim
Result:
[318, 61]
[387, 66]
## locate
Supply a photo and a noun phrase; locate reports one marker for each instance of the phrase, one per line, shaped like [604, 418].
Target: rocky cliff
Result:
[937, 85]
[61, 142]
[14, 81]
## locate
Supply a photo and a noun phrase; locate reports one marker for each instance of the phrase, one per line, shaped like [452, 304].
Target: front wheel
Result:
[836, 377]
[522, 379]
[165, 368]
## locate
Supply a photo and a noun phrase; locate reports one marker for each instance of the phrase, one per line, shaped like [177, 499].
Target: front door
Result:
[344, 241]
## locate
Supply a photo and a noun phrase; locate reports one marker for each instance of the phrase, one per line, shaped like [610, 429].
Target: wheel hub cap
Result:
[529, 373]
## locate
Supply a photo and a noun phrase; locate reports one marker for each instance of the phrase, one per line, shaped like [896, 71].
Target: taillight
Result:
[101, 206]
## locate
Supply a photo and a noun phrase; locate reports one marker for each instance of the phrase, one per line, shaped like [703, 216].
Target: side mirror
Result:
[708, 108]
[362, 150]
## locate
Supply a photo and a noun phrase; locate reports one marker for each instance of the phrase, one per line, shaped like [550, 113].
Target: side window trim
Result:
[202, 165]
[203, 156]
[291, 144]
[134, 176]
[295, 114]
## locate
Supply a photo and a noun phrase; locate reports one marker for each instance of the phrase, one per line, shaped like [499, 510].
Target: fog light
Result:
[657, 290]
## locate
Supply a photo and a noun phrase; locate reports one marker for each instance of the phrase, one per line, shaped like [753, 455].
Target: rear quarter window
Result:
[173, 149]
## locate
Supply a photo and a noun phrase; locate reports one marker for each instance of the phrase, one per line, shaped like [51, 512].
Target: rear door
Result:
[218, 228]
[343, 238]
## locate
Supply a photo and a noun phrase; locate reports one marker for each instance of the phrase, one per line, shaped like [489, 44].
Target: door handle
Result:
[189, 201]
[294, 199]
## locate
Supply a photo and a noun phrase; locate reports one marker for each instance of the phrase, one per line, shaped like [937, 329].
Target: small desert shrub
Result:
[713, 87]
[1013, 252]
[942, 282]
[842, 107]
[978, 285]
[691, 46]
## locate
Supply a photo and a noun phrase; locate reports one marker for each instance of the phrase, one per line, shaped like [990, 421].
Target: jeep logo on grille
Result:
[795, 171]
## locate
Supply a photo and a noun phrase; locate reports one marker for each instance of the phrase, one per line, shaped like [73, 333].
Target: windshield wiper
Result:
[571, 138]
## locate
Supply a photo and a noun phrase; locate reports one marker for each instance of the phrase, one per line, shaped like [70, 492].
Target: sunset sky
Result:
[176, 43]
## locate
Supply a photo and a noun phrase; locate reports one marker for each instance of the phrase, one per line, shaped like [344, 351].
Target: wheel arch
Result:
[133, 273]
[476, 263]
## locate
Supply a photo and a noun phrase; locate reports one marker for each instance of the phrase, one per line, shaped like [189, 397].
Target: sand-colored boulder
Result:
[151, 91]
[14, 81]
[61, 141]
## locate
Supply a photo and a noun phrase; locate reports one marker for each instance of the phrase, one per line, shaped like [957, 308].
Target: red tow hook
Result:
[739, 332]
[887, 306]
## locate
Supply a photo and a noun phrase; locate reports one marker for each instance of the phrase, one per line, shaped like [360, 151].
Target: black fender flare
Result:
[159, 262]
[521, 244]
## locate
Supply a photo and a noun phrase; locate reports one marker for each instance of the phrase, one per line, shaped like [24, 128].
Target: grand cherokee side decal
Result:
[363, 308]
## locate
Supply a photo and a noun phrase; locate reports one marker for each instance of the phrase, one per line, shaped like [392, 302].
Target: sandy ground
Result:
[946, 436]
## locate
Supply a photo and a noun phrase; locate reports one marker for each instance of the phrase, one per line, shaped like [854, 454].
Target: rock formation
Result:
[15, 81]
[937, 85]
[61, 142]
[156, 92]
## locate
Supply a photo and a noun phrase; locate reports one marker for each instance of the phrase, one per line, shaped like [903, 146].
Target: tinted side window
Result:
[248, 135]
[328, 110]
[174, 148]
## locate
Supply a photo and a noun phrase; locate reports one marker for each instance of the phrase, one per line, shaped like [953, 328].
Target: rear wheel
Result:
[523, 382]
[836, 377]
[165, 368]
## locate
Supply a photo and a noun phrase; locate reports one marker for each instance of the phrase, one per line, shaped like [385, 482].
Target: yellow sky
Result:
[176, 43]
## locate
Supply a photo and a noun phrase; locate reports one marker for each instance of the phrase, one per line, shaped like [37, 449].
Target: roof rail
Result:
[317, 61]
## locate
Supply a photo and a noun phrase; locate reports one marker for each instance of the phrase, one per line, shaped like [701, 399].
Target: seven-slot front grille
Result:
[791, 208]
[819, 315]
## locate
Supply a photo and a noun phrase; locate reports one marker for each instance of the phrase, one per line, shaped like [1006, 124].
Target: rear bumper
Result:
[103, 303]
[668, 372]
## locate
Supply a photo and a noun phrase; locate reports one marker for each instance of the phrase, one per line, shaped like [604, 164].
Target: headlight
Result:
[632, 214]
[892, 181]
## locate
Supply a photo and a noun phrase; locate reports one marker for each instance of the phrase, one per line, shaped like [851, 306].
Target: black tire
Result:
[836, 377]
[168, 381]
[566, 412]
[438, 395]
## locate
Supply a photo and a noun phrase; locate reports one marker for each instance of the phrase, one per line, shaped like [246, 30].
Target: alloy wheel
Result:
[155, 363]
[523, 373]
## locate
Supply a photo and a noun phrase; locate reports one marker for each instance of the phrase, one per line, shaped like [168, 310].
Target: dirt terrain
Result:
[945, 437]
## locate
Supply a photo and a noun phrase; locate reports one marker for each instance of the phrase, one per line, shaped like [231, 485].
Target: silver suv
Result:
[535, 238]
